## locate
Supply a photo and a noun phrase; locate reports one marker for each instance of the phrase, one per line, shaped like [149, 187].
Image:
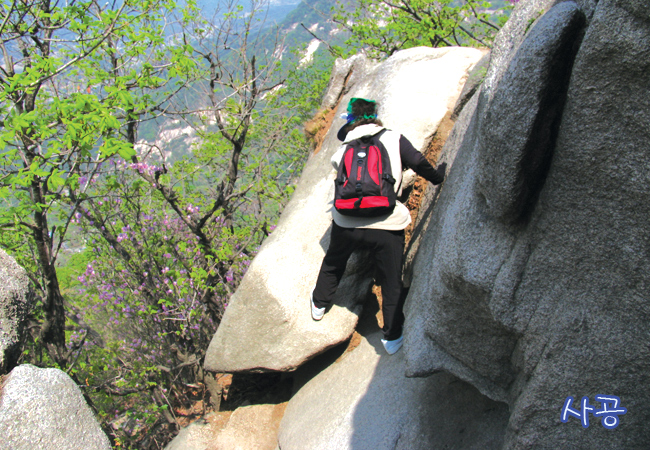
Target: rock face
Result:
[254, 426]
[16, 298]
[44, 409]
[268, 325]
[248, 427]
[364, 401]
[531, 279]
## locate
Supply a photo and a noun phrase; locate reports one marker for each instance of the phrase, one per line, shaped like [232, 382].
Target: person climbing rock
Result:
[382, 235]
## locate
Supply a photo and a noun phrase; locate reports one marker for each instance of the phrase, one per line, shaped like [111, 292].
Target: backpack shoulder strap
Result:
[365, 139]
[383, 130]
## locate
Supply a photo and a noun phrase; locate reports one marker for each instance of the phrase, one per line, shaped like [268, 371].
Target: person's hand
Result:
[442, 169]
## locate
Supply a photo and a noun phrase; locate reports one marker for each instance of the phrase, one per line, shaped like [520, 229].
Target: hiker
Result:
[383, 235]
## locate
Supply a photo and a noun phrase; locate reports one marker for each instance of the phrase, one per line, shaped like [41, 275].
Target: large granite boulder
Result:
[531, 278]
[16, 298]
[364, 401]
[43, 409]
[267, 325]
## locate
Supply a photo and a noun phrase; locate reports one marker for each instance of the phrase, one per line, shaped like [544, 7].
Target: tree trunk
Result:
[53, 330]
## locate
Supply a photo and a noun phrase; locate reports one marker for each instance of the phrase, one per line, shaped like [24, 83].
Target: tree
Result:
[63, 109]
[166, 241]
[383, 27]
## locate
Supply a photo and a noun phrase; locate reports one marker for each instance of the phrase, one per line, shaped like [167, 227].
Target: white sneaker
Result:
[316, 313]
[393, 346]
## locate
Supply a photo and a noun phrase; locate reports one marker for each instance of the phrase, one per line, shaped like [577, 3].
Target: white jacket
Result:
[400, 218]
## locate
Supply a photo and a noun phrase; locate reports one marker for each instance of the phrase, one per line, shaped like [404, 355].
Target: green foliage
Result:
[74, 76]
[382, 27]
[150, 307]
[75, 264]
[146, 325]
[147, 252]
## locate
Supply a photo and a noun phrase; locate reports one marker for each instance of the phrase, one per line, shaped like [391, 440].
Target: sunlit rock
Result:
[44, 409]
[267, 325]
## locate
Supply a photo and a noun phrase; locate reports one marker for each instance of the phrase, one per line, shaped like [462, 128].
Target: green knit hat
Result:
[352, 118]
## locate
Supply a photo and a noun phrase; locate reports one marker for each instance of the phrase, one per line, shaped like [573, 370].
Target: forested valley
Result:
[147, 149]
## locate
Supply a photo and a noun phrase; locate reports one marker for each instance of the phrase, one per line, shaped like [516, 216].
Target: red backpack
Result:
[364, 185]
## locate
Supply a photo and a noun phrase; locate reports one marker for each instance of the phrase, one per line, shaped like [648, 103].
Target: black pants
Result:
[387, 248]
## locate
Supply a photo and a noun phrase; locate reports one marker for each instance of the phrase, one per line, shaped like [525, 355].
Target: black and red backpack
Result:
[364, 185]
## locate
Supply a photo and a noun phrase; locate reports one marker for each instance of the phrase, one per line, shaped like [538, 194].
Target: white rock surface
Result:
[268, 325]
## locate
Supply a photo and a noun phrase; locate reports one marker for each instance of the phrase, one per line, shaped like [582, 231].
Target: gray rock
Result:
[44, 409]
[16, 298]
[364, 401]
[531, 283]
[267, 325]
[474, 80]
[345, 74]
[248, 427]
[510, 37]
[200, 434]
[519, 129]
[582, 303]
[478, 207]
[254, 426]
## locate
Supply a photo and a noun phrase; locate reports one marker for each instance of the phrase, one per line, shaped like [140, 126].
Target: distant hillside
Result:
[304, 27]
[315, 16]
[310, 12]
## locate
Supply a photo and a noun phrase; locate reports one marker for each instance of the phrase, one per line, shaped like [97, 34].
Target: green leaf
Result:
[55, 180]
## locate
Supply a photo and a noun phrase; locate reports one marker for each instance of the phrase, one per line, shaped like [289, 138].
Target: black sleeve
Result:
[343, 132]
[413, 159]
